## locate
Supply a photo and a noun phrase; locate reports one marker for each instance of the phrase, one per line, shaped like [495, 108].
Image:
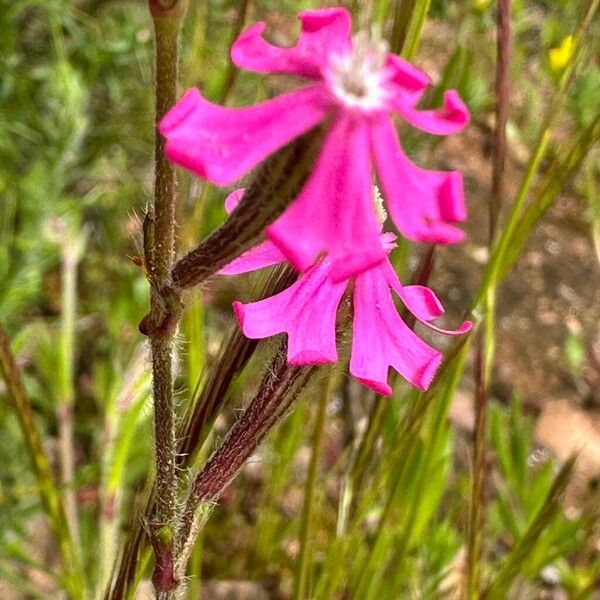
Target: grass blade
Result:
[549, 510]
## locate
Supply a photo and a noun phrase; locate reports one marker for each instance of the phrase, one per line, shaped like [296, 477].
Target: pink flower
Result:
[355, 85]
[306, 312]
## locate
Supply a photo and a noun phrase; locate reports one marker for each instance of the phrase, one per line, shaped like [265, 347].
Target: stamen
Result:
[356, 78]
[378, 202]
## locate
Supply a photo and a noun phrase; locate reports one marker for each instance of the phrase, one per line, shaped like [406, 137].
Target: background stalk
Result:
[415, 29]
[502, 93]
[302, 580]
[52, 500]
[64, 409]
[376, 420]
[407, 25]
[502, 246]
[486, 338]
[125, 406]
[475, 534]
[229, 76]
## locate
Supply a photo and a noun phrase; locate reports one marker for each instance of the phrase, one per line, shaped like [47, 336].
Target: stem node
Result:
[162, 540]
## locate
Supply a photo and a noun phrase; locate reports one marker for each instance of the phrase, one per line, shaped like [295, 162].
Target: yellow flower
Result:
[560, 56]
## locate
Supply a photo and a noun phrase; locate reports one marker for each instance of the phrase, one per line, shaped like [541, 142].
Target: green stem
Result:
[195, 585]
[302, 572]
[370, 564]
[402, 455]
[227, 80]
[408, 22]
[193, 326]
[478, 477]
[402, 20]
[417, 22]
[558, 174]
[380, 12]
[366, 448]
[434, 426]
[50, 496]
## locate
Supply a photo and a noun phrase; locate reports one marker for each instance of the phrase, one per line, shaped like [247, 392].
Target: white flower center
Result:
[356, 79]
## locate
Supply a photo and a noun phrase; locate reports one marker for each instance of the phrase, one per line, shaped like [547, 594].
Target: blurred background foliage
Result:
[389, 515]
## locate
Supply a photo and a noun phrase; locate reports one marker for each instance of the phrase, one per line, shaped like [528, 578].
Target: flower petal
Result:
[388, 241]
[421, 203]
[221, 144]
[260, 256]
[322, 32]
[423, 304]
[233, 200]
[464, 327]
[263, 255]
[334, 212]
[381, 339]
[451, 118]
[405, 79]
[306, 311]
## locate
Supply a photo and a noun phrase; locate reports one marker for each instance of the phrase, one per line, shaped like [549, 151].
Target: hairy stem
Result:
[234, 356]
[160, 244]
[215, 391]
[278, 390]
